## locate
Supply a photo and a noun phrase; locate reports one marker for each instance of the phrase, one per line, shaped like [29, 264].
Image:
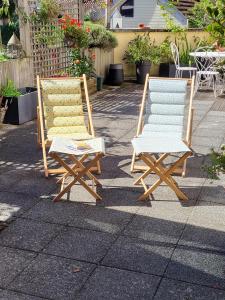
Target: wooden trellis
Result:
[48, 60]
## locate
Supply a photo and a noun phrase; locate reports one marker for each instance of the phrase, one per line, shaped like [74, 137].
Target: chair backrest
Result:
[61, 105]
[165, 105]
[163, 109]
[175, 54]
[204, 62]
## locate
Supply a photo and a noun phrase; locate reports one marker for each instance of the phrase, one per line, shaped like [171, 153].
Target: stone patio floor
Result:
[118, 248]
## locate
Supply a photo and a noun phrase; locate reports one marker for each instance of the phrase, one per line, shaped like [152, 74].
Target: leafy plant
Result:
[141, 49]
[198, 14]
[81, 63]
[49, 9]
[100, 37]
[216, 14]
[217, 164]
[76, 35]
[165, 51]
[50, 35]
[9, 90]
[45, 12]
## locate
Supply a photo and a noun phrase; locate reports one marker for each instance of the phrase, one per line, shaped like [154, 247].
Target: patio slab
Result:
[9, 295]
[177, 290]
[110, 283]
[14, 204]
[53, 277]
[85, 245]
[12, 262]
[195, 265]
[30, 235]
[138, 255]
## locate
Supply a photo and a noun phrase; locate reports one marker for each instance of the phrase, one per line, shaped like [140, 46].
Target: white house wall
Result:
[147, 12]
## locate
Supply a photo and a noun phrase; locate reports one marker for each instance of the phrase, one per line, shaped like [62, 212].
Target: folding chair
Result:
[162, 133]
[77, 170]
[61, 114]
[161, 118]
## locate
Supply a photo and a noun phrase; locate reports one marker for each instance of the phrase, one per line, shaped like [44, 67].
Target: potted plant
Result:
[165, 58]
[143, 52]
[83, 64]
[21, 104]
[76, 34]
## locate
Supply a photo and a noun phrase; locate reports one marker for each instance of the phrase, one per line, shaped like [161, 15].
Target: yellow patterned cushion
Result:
[63, 109]
[76, 136]
[62, 99]
[61, 86]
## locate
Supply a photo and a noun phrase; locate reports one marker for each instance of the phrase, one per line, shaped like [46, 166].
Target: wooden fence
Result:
[18, 70]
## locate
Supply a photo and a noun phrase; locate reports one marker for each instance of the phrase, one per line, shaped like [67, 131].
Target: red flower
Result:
[64, 27]
[141, 25]
[88, 29]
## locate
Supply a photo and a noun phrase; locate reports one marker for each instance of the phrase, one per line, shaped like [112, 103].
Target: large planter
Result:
[115, 75]
[142, 69]
[164, 70]
[21, 109]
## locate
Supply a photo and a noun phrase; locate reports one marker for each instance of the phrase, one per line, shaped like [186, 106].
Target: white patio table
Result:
[205, 61]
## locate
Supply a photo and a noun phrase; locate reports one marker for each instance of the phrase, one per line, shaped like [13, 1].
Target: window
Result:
[127, 9]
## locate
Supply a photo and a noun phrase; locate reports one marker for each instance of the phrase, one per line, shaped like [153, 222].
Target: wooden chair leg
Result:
[133, 162]
[45, 160]
[38, 128]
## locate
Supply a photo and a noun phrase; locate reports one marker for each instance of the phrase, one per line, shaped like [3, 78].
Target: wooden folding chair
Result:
[73, 162]
[162, 133]
[154, 121]
[61, 114]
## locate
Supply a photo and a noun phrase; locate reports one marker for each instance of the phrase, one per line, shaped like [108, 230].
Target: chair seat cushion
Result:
[187, 68]
[76, 136]
[162, 130]
[149, 144]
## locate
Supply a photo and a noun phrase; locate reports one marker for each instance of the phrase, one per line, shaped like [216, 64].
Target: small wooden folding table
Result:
[77, 157]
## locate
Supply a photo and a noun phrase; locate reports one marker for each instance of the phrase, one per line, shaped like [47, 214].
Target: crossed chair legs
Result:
[155, 165]
[77, 171]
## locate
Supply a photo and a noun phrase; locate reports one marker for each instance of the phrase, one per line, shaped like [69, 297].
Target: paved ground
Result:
[119, 248]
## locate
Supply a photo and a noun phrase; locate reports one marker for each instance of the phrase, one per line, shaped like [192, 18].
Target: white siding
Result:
[147, 12]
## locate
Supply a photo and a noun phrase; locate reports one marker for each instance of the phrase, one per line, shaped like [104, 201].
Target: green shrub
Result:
[9, 90]
[100, 37]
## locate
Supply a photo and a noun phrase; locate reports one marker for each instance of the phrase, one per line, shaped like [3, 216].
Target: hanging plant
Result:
[76, 35]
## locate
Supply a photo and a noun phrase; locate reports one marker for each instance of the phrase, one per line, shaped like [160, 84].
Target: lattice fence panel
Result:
[50, 60]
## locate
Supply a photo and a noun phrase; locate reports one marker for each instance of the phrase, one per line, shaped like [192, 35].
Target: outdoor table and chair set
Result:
[67, 137]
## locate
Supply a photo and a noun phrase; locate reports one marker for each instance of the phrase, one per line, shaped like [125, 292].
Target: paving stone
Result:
[163, 222]
[213, 191]
[9, 295]
[154, 229]
[194, 265]
[208, 141]
[175, 290]
[212, 238]
[14, 204]
[139, 255]
[104, 219]
[27, 182]
[209, 132]
[12, 262]
[205, 229]
[52, 277]
[110, 283]
[81, 244]
[61, 212]
[27, 234]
